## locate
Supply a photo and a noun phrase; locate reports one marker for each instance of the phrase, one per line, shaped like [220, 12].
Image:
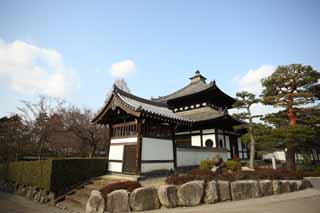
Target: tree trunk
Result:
[252, 151]
[94, 147]
[290, 158]
[291, 151]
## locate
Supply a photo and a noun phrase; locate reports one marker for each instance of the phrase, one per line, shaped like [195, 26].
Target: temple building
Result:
[176, 130]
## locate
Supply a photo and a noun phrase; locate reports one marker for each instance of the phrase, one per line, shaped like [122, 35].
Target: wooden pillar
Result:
[139, 146]
[174, 147]
[108, 144]
[201, 138]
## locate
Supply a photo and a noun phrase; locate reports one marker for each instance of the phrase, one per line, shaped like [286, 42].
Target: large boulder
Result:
[118, 201]
[224, 193]
[304, 184]
[293, 185]
[168, 196]
[245, 189]
[190, 193]
[95, 202]
[211, 192]
[144, 198]
[280, 186]
[266, 187]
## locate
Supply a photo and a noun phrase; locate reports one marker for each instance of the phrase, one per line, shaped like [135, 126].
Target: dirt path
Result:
[15, 204]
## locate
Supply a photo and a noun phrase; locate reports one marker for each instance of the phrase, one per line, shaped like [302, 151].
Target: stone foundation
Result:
[32, 193]
[196, 192]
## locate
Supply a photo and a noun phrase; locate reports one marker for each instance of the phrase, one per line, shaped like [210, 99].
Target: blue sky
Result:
[70, 47]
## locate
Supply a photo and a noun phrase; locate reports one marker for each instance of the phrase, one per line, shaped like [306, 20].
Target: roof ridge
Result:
[146, 101]
[162, 98]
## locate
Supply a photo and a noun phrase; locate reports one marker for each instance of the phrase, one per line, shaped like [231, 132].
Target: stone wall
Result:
[190, 194]
[30, 192]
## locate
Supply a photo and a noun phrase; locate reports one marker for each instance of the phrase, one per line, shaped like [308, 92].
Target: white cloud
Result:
[27, 69]
[251, 82]
[122, 69]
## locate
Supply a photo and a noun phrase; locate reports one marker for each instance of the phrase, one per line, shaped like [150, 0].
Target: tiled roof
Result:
[147, 106]
[191, 88]
[200, 114]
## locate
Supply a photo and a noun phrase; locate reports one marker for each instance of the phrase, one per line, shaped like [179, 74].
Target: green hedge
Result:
[56, 175]
[2, 171]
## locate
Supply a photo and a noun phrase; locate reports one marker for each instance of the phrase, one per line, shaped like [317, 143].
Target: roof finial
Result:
[198, 78]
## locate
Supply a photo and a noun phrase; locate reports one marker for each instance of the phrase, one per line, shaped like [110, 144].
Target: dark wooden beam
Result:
[139, 146]
[174, 146]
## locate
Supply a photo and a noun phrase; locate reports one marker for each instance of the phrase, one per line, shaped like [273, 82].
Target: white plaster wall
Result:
[228, 147]
[220, 136]
[156, 149]
[195, 140]
[116, 152]
[148, 167]
[279, 155]
[208, 131]
[212, 137]
[190, 157]
[115, 166]
[124, 140]
[239, 144]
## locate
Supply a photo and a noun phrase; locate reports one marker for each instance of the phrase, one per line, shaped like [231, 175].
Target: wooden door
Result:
[129, 159]
[234, 146]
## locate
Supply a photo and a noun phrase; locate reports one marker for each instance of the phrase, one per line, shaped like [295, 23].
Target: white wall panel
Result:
[190, 157]
[148, 167]
[207, 131]
[124, 140]
[206, 137]
[116, 152]
[115, 166]
[196, 140]
[156, 149]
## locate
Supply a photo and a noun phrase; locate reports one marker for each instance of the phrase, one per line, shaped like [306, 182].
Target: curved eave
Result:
[230, 100]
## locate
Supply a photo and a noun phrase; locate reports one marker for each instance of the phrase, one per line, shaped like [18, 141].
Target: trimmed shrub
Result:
[233, 165]
[207, 164]
[127, 185]
[68, 172]
[2, 171]
[56, 175]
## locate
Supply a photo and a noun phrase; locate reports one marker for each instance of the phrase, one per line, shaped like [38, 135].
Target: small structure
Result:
[177, 130]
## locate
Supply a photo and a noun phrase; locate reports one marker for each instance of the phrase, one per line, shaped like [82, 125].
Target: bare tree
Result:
[79, 122]
[36, 116]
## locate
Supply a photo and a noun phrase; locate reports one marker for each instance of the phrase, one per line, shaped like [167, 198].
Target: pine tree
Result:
[289, 87]
[245, 100]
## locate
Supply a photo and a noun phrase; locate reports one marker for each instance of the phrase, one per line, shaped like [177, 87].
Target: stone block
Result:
[190, 193]
[245, 189]
[95, 203]
[118, 201]
[211, 192]
[144, 198]
[266, 187]
[168, 196]
[224, 193]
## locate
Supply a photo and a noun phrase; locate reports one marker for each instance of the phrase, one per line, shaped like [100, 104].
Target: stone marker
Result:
[95, 203]
[245, 189]
[266, 187]
[168, 196]
[211, 192]
[224, 193]
[144, 198]
[190, 193]
[118, 201]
